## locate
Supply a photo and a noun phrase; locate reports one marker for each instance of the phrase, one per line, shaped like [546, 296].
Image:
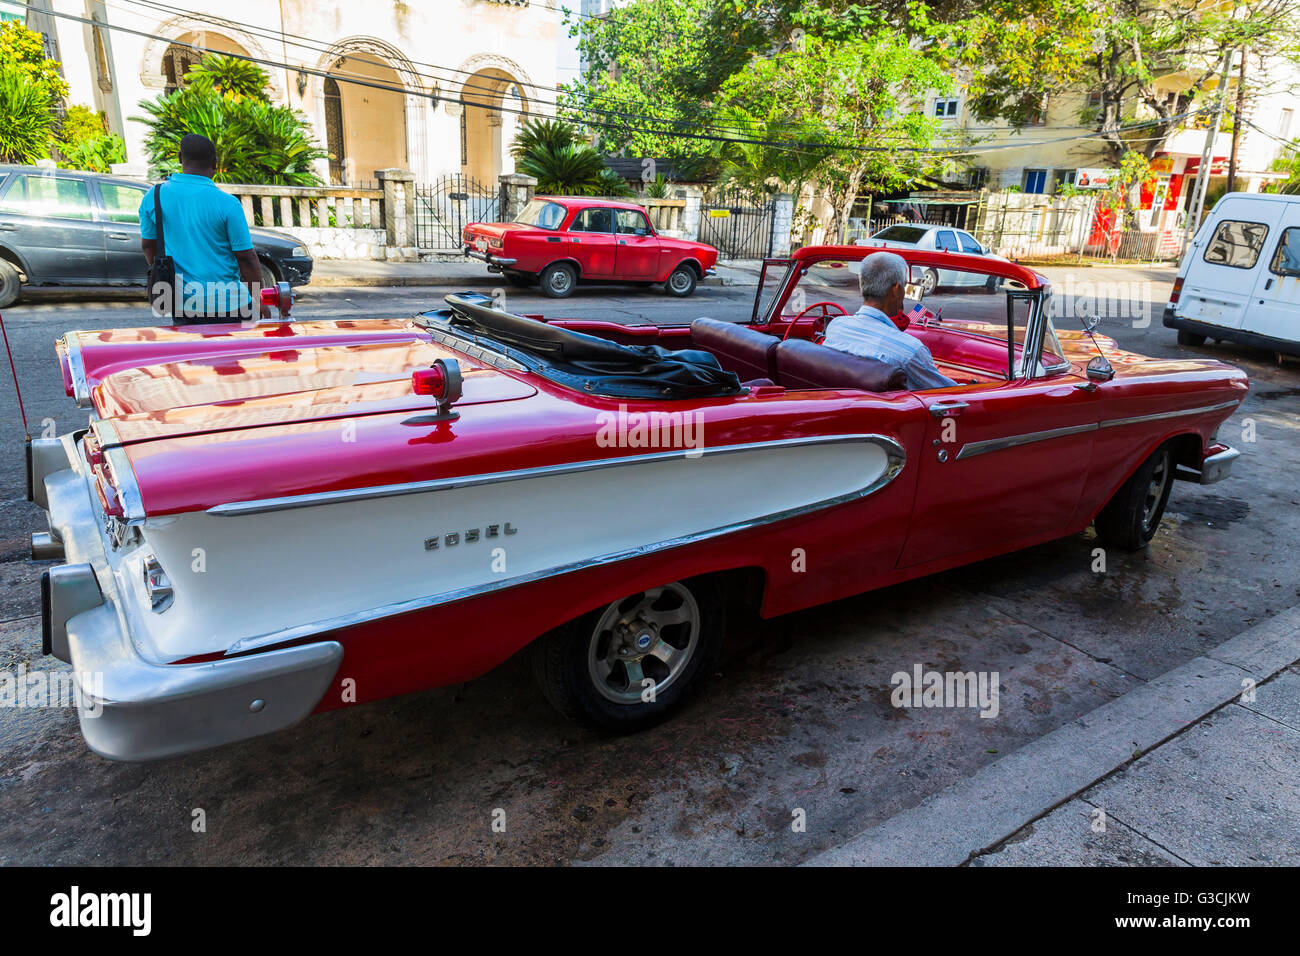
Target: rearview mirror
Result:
[1100, 369]
[913, 291]
[1091, 322]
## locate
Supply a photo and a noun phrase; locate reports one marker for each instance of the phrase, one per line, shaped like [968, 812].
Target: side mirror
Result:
[1100, 369]
[1090, 323]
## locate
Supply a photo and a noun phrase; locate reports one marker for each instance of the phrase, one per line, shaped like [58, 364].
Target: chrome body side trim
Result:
[259, 506]
[896, 460]
[1116, 422]
[971, 449]
[486, 356]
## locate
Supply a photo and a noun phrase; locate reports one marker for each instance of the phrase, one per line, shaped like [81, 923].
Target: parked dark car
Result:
[61, 227]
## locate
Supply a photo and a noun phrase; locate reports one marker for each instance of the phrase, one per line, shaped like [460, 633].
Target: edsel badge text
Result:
[453, 538]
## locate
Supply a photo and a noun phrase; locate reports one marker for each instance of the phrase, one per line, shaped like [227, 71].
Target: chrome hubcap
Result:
[648, 636]
[1155, 491]
[679, 281]
[559, 280]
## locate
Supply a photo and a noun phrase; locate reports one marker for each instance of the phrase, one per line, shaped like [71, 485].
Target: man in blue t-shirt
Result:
[204, 232]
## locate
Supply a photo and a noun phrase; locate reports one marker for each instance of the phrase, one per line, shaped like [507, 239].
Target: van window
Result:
[1286, 261]
[1236, 244]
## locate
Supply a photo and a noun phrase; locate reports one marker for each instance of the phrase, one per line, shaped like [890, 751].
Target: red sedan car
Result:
[559, 241]
[264, 521]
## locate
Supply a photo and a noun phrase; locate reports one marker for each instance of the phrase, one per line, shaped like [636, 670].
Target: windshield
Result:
[902, 233]
[542, 214]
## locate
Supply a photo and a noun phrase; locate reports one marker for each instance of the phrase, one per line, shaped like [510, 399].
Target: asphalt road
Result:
[795, 724]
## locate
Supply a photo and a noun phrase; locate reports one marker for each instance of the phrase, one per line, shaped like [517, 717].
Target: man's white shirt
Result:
[871, 334]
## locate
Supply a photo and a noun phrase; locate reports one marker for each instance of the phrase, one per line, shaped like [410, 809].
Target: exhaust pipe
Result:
[45, 547]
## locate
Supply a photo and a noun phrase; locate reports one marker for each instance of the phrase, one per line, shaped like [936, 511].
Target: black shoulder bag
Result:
[162, 271]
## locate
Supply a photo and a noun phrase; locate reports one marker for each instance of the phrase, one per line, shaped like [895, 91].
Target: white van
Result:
[1239, 280]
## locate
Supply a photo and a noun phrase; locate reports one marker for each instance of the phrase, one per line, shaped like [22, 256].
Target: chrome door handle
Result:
[944, 409]
[7, 227]
[119, 235]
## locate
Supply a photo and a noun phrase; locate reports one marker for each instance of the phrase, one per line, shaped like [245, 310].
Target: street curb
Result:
[950, 827]
[485, 281]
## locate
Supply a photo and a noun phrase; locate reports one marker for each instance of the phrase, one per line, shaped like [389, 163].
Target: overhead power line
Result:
[790, 145]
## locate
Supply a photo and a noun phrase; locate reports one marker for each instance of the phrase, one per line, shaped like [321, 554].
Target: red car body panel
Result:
[213, 415]
[604, 256]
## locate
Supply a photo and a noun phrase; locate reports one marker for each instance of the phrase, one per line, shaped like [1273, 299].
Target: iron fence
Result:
[738, 223]
[444, 207]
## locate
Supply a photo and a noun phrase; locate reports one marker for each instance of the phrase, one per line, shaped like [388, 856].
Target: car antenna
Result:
[27, 432]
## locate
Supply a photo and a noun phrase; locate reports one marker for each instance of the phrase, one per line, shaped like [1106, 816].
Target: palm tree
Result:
[26, 120]
[230, 76]
[573, 170]
[257, 141]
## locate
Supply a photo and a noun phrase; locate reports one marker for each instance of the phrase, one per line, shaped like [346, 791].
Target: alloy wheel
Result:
[648, 636]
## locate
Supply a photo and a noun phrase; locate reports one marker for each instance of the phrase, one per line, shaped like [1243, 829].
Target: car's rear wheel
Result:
[1130, 519]
[681, 282]
[626, 666]
[10, 284]
[558, 280]
[1190, 338]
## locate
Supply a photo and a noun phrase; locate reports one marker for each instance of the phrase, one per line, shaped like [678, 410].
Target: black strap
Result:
[157, 218]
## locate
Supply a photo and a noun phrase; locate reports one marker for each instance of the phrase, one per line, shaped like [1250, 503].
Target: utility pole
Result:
[1197, 198]
[1236, 120]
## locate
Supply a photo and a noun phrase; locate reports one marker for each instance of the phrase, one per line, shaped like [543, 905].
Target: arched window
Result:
[334, 129]
[176, 63]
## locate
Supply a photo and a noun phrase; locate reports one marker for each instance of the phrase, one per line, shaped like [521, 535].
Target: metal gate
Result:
[738, 223]
[445, 206]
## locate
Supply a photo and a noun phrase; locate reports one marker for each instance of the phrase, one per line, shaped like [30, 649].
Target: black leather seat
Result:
[750, 354]
[801, 364]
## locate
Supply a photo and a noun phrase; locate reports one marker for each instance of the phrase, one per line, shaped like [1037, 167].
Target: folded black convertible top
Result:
[587, 363]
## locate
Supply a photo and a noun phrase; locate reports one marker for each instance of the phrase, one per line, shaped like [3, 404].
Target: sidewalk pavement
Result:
[1200, 767]
[468, 273]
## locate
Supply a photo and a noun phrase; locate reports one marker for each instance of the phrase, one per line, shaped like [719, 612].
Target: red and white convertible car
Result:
[264, 522]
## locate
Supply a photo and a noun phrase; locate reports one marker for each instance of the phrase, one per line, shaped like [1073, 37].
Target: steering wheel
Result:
[819, 321]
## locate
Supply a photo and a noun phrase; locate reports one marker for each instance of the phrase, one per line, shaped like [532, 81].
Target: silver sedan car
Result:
[940, 238]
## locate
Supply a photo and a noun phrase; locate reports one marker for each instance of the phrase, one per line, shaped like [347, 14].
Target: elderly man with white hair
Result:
[871, 333]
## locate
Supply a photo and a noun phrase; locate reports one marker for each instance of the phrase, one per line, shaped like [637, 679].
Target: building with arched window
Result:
[434, 86]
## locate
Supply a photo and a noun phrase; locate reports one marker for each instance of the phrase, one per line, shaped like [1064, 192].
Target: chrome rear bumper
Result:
[132, 708]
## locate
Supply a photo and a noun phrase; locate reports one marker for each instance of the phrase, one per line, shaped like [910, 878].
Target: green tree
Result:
[256, 140]
[85, 142]
[26, 117]
[232, 77]
[550, 151]
[24, 49]
[1020, 53]
[854, 95]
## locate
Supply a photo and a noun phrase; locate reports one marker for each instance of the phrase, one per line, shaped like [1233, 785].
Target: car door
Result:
[1003, 463]
[591, 241]
[50, 219]
[1224, 264]
[1274, 309]
[119, 208]
[638, 247]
